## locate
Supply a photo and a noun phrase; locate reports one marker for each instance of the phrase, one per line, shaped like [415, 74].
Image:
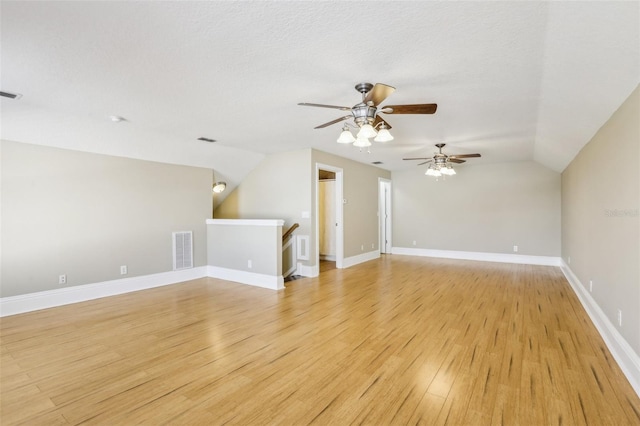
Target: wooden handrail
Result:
[289, 232]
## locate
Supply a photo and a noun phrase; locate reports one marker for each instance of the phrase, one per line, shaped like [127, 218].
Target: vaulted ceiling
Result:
[512, 80]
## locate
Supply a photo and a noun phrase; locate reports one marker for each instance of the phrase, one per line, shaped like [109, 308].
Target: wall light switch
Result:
[123, 270]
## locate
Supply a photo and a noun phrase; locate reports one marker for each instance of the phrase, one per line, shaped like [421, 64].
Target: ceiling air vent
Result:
[10, 95]
[206, 139]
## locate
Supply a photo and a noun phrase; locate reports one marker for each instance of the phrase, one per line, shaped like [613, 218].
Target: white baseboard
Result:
[625, 356]
[485, 257]
[307, 271]
[272, 282]
[64, 296]
[328, 257]
[360, 258]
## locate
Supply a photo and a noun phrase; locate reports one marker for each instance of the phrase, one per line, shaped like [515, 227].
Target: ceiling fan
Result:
[365, 114]
[441, 163]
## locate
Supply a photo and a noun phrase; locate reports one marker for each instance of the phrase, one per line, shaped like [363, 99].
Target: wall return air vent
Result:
[182, 250]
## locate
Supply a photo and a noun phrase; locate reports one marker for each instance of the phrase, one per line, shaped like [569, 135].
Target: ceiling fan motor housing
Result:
[364, 114]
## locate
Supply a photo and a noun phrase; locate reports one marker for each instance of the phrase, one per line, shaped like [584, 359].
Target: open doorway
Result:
[326, 220]
[329, 228]
[384, 214]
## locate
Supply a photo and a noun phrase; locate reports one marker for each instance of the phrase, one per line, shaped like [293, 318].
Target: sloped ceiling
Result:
[512, 80]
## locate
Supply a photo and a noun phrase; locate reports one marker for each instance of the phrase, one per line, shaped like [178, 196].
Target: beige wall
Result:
[360, 189]
[601, 219]
[283, 186]
[278, 188]
[483, 208]
[234, 246]
[85, 215]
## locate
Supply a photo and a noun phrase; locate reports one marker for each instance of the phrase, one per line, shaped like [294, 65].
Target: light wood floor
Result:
[400, 340]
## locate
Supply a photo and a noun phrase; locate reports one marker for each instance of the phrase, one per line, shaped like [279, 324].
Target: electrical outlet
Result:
[62, 279]
[515, 249]
[414, 242]
[620, 317]
[123, 270]
[569, 260]
[362, 247]
[373, 245]
[249, 264]
[590, 286]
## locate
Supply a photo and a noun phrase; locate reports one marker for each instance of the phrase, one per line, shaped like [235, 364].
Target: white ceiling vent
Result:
[182, 250]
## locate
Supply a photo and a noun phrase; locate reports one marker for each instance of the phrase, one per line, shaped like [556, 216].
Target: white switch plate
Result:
[123, 270]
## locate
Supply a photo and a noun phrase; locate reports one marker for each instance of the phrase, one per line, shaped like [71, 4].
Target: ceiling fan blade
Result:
[410, 109]
[379, 93]
[381, 120]
[425, 162]
[325, 106]
[416, 158]
[455, 160]
[346, 117]
[464, 156]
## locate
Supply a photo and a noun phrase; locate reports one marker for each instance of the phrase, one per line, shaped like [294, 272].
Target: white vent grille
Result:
[182, 250]
[302, 247]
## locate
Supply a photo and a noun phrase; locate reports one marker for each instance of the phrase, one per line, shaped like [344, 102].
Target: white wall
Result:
[85, 215]
[483, 208]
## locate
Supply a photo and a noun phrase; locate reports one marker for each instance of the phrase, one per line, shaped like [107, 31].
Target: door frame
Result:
[339, 214]
[384, 198]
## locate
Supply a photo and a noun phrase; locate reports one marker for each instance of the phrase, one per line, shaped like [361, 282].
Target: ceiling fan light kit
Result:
[346, 136]
[441, 163]
[383, 134]
[367, 131]
[362, 142]
[366, 118]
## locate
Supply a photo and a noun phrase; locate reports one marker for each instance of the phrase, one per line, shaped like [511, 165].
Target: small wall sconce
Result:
[218, 187]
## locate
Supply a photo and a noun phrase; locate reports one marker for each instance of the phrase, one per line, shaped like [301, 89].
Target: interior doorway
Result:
[384, 214]
[329, 229]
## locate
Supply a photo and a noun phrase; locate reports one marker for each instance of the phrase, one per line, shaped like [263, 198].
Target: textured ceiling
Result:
[512, 80]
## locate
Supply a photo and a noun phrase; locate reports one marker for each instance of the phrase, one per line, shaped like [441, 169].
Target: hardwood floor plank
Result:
[399, 340]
